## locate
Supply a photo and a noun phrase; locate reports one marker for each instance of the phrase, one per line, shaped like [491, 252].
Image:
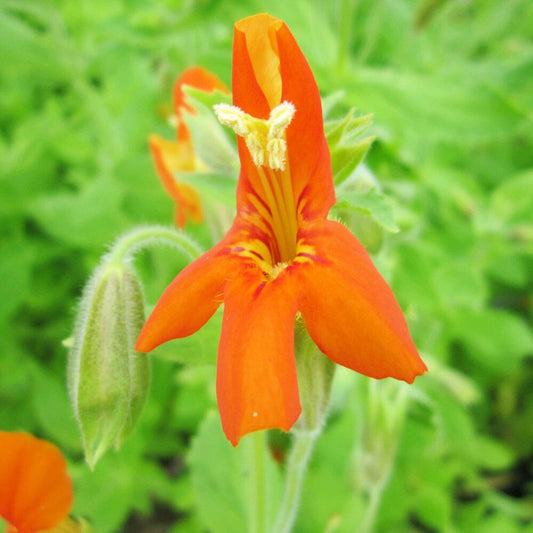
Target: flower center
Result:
[267, 143]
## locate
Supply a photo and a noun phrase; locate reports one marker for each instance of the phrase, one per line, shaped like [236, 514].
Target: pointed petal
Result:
[310, 168]
[198, 78]
[248, 95]
[356, 321]
[35, 490]
[191, 299]
[268, 68]
[256, 376]
[255, 51]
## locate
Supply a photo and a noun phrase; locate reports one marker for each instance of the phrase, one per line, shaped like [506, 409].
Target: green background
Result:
[450, 83]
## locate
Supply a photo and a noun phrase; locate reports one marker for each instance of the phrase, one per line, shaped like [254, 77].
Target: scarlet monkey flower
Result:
[282, 258]
[178, 156]
[35, 490]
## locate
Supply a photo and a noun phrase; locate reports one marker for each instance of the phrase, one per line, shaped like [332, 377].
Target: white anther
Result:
[234, 117]
[280, 118]
[265, 139]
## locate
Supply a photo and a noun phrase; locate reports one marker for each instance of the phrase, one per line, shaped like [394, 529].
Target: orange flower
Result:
[171, 157]
[282, 258]
[35, 490]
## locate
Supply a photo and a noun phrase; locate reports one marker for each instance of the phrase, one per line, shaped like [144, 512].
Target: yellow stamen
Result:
[267, 144]
[265, 139]
[276, 270]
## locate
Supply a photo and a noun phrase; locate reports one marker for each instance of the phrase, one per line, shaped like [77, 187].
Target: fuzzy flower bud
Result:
[108, 380]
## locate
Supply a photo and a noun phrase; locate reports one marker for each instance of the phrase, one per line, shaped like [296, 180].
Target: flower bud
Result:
[108, 380]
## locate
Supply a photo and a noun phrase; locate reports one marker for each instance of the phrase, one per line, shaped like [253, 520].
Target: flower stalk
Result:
[258, 483]
[143, 236]
[296, 468]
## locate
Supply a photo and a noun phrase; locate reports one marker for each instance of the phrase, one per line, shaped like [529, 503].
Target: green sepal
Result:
[315, 377]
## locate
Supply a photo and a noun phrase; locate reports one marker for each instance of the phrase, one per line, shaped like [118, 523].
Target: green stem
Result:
[257, 472]
[296, 468]
[129, 243]
[369, 519]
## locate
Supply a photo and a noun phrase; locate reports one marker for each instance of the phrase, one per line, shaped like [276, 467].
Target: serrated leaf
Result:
[346, 149]
[343, 131]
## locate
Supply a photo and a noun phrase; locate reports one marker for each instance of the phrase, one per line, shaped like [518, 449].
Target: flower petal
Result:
[357, 321]
[269, 67]
[248, 94]
[190, 300]
[199, 78]
[309, 157]
[170, 157]
[257, 386]
[35, 490]
[255, 50]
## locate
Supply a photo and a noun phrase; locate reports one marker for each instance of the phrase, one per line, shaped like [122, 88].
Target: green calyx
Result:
[315, 376]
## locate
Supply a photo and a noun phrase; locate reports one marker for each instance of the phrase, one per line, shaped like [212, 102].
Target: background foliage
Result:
[450, 84]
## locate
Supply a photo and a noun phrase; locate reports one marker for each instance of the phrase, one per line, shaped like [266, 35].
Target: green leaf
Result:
[497, 340]
[220, 480]
[345, 159]
[23, 48]
[198, 349]
[372, 203]
[89, 218]
[52, 407]
[434, 507]
[217, 476]
[15, 273]
[512, 201]
[346, 149]
[328, 491]
[458, 285]
[493, 454]
[346, 130]
[439, 106]
[120, 484]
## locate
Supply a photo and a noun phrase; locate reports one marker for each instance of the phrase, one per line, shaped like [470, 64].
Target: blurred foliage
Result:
[450, 84]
